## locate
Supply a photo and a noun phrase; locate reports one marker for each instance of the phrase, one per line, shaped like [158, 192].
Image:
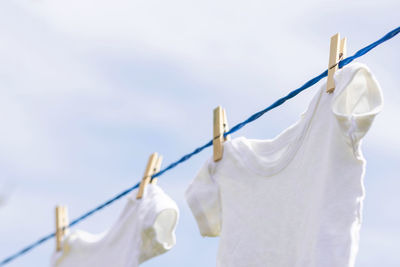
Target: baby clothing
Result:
[145, 229]
[295, 200]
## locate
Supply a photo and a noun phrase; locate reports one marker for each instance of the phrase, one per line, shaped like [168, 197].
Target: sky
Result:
[89, 89]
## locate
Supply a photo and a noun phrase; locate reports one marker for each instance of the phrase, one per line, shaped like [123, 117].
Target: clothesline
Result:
[234, 129]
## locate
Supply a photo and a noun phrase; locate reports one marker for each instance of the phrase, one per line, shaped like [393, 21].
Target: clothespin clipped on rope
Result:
[153, 166]
[61, 225]
[220, 127]
[157, 168]
[337, 53]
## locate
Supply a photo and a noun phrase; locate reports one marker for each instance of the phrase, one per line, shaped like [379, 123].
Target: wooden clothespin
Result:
[220, 127]
[61, 225]
[153, 166]
[337, 53]
[157, 168]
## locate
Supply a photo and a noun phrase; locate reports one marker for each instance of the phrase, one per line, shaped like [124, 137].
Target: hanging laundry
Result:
[145, 229]
[295, 200]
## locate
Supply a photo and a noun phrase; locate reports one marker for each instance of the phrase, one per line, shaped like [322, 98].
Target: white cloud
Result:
[6, 190]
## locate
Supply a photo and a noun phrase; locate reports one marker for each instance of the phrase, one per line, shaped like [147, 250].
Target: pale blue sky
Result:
[88, 89]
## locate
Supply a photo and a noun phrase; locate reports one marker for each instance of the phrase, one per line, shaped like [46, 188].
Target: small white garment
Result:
[295, 200]
[145, 229]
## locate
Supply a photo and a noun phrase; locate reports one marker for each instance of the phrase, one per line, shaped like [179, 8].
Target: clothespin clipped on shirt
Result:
[337, 53]
[220, 127]
[153, 166]
[61, 225]
[157, 168]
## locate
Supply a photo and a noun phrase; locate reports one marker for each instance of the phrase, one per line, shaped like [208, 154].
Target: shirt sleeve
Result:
[203, 197]
[356, 106]
[159, 224]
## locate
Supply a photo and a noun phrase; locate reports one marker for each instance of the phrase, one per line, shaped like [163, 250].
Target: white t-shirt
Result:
[145, 229]
[295, 200]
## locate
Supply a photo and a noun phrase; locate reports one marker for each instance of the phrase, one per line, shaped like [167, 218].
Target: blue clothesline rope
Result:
[235, 128]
